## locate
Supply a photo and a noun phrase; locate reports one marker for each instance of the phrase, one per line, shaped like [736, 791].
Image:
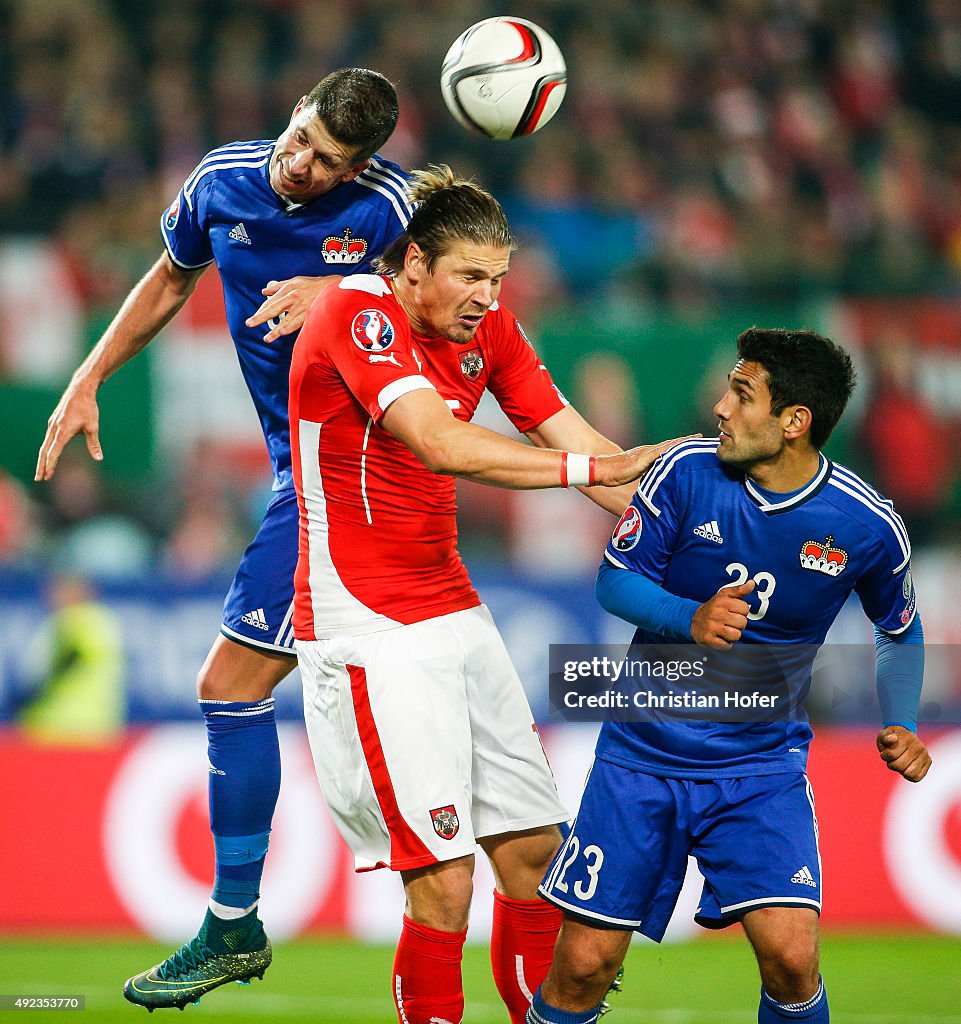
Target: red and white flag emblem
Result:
[445, 821]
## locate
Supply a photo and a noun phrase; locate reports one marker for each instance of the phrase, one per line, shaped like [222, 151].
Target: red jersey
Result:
[378, 530]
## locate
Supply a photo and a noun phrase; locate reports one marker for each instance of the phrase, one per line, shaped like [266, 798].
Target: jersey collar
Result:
[812, 488]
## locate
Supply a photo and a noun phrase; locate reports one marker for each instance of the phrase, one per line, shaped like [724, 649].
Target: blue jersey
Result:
[228, 214]
[696, 525]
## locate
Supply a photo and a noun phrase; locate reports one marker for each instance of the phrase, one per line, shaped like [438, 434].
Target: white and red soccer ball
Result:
[504, 77]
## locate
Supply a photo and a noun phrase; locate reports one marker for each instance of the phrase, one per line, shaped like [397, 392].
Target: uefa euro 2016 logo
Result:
[628, 530]
[172, 215]
[372, 331]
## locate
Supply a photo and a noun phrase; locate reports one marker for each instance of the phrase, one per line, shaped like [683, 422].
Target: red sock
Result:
[427, 977]
[522, 947]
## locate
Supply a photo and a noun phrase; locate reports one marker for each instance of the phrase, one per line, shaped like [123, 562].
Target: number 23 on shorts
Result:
[594, 860]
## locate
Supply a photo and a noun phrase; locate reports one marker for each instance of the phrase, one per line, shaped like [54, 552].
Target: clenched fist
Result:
[719, 622]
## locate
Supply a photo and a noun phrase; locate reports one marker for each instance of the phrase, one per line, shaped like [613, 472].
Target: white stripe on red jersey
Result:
[338, 603]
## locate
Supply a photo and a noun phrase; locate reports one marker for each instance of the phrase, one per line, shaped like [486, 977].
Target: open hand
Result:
[625, 467]
[287, 303]
[76, 413]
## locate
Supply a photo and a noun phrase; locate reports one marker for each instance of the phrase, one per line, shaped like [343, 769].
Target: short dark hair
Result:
[803, 368]
[448, 209]
[358, 107]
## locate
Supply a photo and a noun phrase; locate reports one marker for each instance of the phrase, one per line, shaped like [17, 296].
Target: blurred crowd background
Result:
[706, 149]
[716, 163]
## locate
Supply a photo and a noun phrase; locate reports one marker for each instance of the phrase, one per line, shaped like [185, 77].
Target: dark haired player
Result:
[278, 217]
[755, 538]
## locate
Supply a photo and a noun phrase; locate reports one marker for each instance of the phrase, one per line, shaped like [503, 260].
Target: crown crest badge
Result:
[823, 556]
[343, 248]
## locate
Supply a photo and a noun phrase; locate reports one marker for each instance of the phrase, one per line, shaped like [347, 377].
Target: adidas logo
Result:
[709, 531]
[255, 618]
[239, 234]
[804, 877]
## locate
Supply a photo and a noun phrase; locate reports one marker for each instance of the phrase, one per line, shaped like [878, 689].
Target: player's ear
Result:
[414, 266]
[796, 420]
[354, 171]
[299, 107]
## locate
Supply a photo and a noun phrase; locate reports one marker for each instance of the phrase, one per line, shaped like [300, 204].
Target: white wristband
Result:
[578, 470]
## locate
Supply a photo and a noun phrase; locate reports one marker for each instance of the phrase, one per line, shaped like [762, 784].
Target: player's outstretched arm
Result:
[568, 431]
[422, 421]
[149, 306]
[719, 622]
[287, 302]
[903, 752]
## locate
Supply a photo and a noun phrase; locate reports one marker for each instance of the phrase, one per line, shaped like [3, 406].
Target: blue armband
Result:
[635, 598]
[899, 664]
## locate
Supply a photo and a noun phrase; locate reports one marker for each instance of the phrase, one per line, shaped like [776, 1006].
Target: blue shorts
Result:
[623, 865]
[258, 609]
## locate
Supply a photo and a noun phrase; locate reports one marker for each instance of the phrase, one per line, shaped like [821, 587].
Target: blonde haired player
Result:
[423, 739]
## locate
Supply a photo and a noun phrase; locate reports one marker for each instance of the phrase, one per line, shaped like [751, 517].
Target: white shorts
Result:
[423, 740]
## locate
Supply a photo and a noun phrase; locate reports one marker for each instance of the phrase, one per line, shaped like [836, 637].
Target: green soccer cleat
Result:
[222, 951]
[612, 989]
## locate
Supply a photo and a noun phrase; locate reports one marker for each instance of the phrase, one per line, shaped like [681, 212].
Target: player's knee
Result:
[539, 848]
[440, 899]
[223, 677]
[579, 977]
[520, 859]
[790, 973]
[212, 685]
[595, 969]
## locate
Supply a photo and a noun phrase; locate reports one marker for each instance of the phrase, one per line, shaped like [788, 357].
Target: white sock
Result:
[226, 913]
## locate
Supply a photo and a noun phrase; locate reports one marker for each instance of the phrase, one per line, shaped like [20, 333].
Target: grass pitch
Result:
[879, 979]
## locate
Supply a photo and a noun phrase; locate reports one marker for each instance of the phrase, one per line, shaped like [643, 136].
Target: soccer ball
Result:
[504, 77]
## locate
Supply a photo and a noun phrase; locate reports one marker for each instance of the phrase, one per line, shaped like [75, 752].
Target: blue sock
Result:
[814, 1011]
[543, 1013]
[244, 756]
